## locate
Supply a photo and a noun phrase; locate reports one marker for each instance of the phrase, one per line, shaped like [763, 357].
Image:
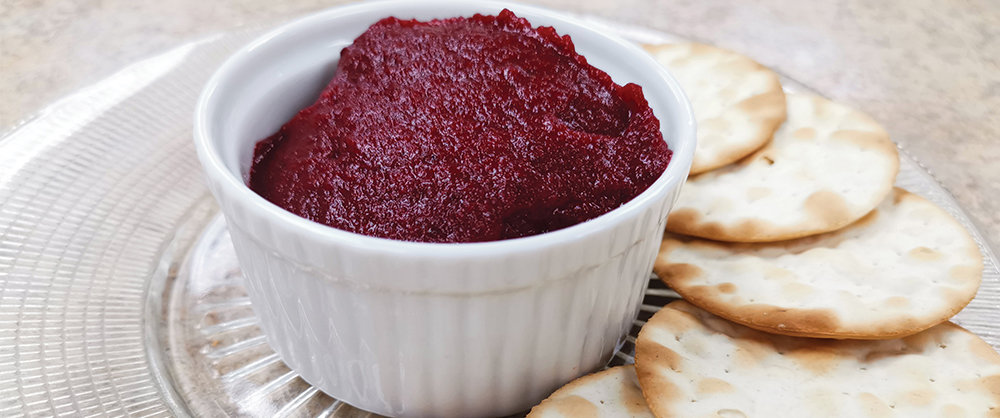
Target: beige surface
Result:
[928, 70]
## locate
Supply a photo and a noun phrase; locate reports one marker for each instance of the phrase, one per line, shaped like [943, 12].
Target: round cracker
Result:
[693, 364]
[903, 268]
[826, 167]
[611, 393]
[737, 103]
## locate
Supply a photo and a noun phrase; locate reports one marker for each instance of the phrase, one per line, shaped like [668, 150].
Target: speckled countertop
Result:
[929, 70]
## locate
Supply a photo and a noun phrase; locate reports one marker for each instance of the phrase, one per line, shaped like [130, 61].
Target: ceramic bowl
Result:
[429, 329]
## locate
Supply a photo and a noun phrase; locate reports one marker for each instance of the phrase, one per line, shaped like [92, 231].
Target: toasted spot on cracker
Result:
[710, 385]
[726, 287]
[965, 272]
[816, 361]
[730, 413]
[924, 253]
[828, 207]
[874, 406]
[575, 406]
[755, 193]
[796, 290]
[898, 302]
[804, 133]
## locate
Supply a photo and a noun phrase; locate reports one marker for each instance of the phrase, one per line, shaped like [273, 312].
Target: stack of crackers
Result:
[811, 286]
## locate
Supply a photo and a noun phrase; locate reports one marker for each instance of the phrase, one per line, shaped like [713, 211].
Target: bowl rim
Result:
[676, 171]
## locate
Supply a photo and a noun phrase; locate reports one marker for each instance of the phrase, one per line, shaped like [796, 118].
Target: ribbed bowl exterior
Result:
[433, 353]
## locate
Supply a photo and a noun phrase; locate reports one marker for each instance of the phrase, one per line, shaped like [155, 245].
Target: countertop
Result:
[929, 70]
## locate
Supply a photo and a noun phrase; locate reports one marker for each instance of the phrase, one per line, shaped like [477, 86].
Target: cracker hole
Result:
[769, 160]
[943, 346]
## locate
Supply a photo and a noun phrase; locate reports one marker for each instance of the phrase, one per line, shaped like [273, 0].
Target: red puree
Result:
[461, 130]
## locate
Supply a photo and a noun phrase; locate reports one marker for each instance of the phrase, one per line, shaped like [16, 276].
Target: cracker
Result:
[903, 268]
[693, 364]
[737, 103]
[611, 393]
[826, 167]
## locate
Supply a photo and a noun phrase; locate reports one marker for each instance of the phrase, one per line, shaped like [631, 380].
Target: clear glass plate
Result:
[119, 290]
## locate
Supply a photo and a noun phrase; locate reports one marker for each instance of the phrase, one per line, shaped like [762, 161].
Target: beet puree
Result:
[461, 130]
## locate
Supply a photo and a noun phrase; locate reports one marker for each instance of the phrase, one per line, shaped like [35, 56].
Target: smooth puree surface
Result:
[462, 130]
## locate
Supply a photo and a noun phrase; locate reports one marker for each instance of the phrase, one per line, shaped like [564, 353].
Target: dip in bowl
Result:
[462, 130]
[417, 328]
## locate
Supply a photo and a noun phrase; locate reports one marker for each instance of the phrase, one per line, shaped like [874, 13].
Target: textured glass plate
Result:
[119, 290]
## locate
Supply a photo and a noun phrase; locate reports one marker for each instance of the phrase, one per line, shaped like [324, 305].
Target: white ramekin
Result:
[421, 329]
